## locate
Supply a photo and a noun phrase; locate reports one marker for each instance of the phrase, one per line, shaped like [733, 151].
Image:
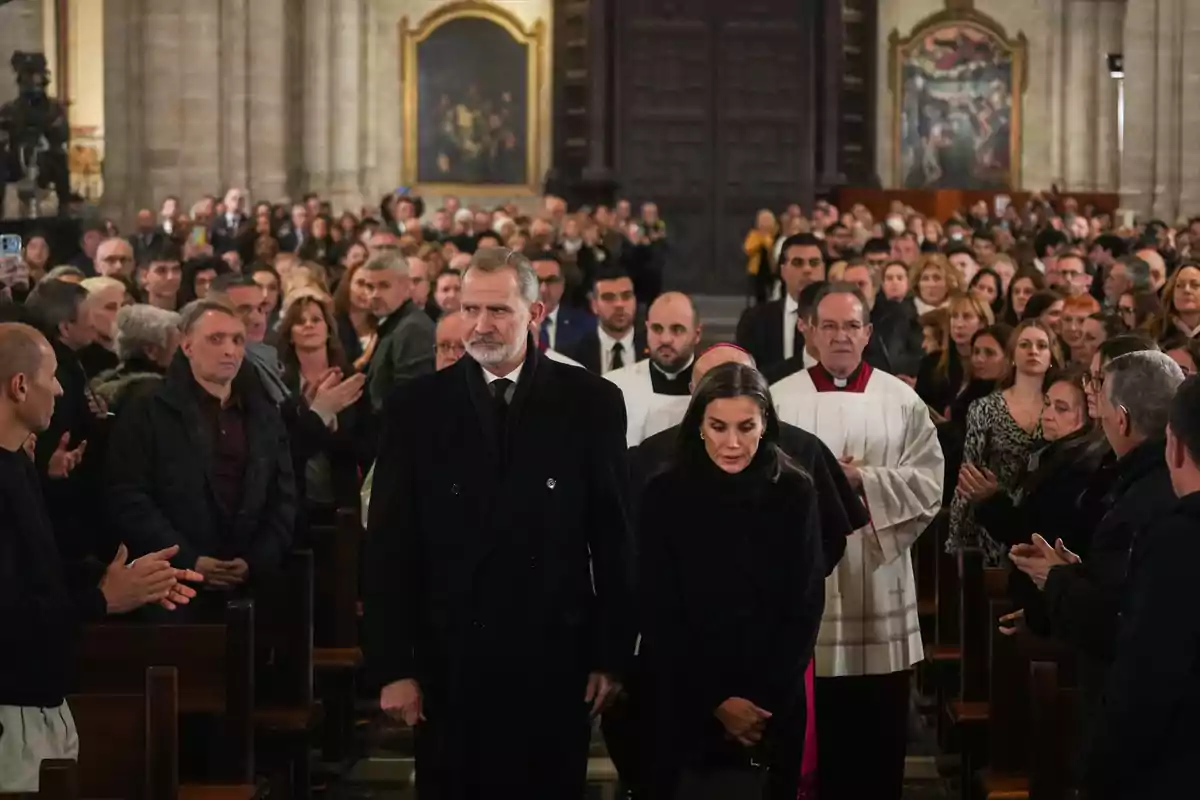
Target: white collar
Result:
[514, 376]
[1191, 334]
[553, 315]
[607, 342]
[790, 306]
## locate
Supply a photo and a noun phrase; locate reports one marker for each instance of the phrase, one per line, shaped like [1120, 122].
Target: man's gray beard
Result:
[491, 356]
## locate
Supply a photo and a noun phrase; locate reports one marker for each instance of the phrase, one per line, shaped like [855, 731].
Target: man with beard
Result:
[615, 340]
[498, 586]
[673, 331]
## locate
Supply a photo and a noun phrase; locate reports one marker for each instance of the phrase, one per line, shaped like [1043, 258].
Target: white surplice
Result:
[640, 400]
[666, 415]
[870, 625]
[554, 355]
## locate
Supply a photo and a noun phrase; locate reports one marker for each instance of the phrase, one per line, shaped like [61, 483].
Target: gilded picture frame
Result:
[473, 115]
[958, 83]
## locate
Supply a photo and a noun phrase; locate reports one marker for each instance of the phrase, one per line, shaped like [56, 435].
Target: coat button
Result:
[551, 483]
[533, 562]
[454, 489]
[477, 625]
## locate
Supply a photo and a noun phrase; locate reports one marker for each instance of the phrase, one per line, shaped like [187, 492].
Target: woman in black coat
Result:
[732, 580]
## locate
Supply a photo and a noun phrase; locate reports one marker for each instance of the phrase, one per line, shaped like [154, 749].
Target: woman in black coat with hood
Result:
[732, 577]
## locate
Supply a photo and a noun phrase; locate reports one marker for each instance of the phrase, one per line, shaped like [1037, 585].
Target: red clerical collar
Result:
[856, 382]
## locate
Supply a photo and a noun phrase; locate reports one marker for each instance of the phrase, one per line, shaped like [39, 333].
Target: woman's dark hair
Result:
[726, 381]
[1034, 277]
[1040, 303]
[1084, 449]
[1181, 342]
[988, 272]
[1123, 345]
[1112, 324]
[1147, 306]
[194, 266]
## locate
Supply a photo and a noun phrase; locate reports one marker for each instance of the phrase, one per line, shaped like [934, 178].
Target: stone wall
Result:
[1069, 110]
[277, 96]
[1160, 171]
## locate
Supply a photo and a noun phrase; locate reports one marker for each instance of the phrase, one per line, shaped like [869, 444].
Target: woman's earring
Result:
[702, 436]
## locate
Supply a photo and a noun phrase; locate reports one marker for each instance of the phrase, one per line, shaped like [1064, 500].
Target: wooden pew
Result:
[337, 656]
[58, 779]
[215, 665]
[286, 714]
[129, 742]
[1054, 732]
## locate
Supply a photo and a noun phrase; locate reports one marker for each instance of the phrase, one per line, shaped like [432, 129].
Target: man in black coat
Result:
[768, 331]
[1146, 743]
[1084, 598]
[203, 462]
[69, 477]
[498, 608]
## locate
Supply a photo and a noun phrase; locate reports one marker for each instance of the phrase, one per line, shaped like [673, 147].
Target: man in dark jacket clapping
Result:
[1145, 742]
[1084, 598]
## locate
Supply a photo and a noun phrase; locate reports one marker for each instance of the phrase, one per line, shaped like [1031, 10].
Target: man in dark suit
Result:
[228, 229]
[294, 230]
[562, 326]
[148, 238]
[614, 341]
[406, 333]
[768, 331]
[497, 603]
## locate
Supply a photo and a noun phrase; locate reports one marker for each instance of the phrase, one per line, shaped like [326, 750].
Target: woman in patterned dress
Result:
[1002, 430]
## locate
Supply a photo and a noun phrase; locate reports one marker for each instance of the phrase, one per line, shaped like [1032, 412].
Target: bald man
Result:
[672, 332]
[452, 329]
[42, 602]
[114, 259]
[839, 510]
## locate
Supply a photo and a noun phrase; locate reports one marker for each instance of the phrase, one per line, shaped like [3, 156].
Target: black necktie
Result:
[618, 359]
[499, 389]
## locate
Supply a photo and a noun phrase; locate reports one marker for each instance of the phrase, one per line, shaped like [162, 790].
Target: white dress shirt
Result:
[791, 312]
[552, 326]
[628, 354]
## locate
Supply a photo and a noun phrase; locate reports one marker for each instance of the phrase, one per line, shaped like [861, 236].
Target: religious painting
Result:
[472, 82]
[957, 83]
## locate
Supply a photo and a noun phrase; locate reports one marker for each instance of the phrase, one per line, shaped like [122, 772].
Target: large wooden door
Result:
[714, 118]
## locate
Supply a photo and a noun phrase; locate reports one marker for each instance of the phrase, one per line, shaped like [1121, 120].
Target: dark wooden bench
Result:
[215, 667]
[286, 714]
[1054, 731]
[58, 779]
[337, 656]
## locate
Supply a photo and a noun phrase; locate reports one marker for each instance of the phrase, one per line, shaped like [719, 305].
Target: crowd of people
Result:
[580, 507]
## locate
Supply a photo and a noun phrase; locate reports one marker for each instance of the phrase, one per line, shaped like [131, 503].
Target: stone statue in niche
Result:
[33, 138]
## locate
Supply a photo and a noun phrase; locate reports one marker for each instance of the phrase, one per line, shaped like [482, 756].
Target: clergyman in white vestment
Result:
[870, 634]
[672, 333]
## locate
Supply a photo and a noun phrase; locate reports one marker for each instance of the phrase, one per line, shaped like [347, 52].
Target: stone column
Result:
[198, 80]
[318, 113]
[123, 187]
[1188, 175]
[234, 92]
[163, 103]
[267, 92]
[1141, 64]
[346, 103]
[1107, 163]
[1077, 142]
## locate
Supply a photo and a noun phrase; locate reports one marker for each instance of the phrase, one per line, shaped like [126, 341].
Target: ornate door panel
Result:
[663, 115]
[765, 129]
[712, 121]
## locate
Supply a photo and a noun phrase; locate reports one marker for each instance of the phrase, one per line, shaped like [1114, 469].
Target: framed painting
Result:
[957, 83]
[472, 84]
